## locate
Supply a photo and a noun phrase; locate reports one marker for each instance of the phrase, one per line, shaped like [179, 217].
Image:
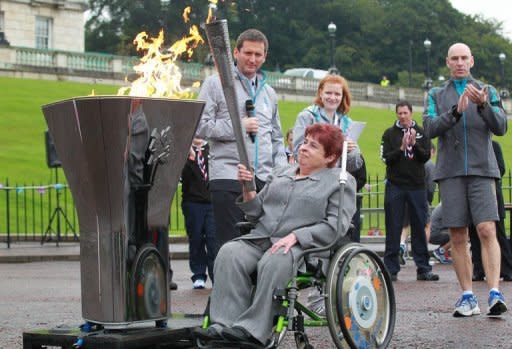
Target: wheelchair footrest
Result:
[227, 344]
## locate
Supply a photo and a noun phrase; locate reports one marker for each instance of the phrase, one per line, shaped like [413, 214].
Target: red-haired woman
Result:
[331, 106]
[296, 210]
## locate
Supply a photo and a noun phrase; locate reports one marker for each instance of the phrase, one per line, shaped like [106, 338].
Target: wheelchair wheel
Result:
[365, 300]
[330, 291]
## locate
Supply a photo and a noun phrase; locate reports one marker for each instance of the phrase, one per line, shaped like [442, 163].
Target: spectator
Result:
[198, 212]
[464, 113]
[440, 235]
[404, 150]
[506, 255]
[331, 106]
[384, 82]
[265, 153]
[430, 186]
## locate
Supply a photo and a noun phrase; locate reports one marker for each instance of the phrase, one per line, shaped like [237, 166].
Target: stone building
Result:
[44, 24]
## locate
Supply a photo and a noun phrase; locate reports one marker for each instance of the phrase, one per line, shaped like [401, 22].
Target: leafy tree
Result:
[373, 37]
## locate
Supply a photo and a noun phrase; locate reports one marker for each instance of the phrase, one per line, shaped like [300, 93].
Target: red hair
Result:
[344, 106]
[330, 137]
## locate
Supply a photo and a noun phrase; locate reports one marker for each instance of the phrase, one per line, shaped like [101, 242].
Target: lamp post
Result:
[504, 92]
[331, 28]
[410, 63]
[428, 82]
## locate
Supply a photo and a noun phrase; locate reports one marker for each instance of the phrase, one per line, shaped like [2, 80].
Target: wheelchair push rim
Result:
[330, 290]
[365, 300]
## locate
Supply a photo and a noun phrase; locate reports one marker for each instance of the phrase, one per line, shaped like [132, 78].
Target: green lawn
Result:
[22, 150]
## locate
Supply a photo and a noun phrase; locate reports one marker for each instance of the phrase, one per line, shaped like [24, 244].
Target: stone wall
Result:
[68, 31]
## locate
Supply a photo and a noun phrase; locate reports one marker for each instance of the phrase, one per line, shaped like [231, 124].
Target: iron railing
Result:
[34, 212]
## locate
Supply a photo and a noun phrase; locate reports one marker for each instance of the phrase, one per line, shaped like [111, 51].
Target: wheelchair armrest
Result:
[333, 246]
[245, 227]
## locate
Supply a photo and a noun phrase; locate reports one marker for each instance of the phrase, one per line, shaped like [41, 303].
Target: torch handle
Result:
[220, 47]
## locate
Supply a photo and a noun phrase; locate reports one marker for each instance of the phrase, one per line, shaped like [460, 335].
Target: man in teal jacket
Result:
[464, 113]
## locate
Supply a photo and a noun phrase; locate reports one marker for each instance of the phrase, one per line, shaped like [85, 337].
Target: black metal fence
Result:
[39, 212]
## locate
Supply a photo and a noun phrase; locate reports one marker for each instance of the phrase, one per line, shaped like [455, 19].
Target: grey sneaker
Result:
[316, 303]
[467, 305]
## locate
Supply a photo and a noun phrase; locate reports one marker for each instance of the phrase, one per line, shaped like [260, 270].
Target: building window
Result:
[43, 32]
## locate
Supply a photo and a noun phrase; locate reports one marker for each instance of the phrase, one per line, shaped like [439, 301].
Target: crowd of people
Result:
[294, 206]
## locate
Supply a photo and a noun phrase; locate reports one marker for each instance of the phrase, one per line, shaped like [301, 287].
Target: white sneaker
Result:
[199, 284]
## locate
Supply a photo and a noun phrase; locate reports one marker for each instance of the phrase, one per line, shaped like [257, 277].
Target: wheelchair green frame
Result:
[362, 326]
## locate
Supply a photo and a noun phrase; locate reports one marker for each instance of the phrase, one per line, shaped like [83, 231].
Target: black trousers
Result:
[476, 251]
[506, 250]
[223, 193]
[395, 199]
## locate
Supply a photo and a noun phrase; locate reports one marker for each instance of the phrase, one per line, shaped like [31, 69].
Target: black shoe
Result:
[478, 277]
[394, 277]
[238, 334]
[207, 334]
[173, 286]
[428, 276]
[507, 277]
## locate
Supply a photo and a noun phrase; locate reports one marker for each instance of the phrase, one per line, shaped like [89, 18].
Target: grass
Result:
[22, 150]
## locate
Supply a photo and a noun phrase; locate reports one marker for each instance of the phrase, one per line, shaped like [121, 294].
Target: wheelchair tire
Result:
[330, 291]
[365, 300]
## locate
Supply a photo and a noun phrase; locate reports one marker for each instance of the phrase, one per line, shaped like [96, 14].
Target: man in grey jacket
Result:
[464, 113]
[264, 135]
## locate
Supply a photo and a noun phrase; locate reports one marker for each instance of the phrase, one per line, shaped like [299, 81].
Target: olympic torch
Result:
[218, 40]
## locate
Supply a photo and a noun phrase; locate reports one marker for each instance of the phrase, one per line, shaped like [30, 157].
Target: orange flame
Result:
[159, 75]
[186, 13]
[212, 6]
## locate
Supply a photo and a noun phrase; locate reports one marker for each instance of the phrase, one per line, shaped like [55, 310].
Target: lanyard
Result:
[247, 85]
[342, 121]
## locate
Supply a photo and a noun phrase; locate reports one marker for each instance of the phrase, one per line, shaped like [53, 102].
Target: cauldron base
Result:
[176, 335]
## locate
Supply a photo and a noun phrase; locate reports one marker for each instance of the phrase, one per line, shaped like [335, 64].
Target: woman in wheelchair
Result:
[296, 210]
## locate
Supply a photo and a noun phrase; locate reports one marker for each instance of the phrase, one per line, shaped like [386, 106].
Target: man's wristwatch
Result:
[455, 113]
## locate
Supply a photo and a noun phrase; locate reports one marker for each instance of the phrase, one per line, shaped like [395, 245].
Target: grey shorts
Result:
[466, 200]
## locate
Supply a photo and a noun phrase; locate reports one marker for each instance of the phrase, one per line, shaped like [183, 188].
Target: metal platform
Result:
[176, 335]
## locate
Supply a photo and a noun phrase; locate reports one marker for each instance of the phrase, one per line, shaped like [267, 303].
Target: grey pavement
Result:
[45, 294]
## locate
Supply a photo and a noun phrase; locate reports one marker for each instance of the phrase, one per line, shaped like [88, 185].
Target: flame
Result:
[186, 13]
[212, 7]
[159, 76]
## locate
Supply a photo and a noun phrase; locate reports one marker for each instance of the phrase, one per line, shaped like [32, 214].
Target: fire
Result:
[212, 7]
[186, 13]
[159, 75]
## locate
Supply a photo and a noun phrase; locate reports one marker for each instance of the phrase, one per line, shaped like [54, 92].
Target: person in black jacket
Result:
[476, 249]
[404, 150]
[198, 212]
[360, 175]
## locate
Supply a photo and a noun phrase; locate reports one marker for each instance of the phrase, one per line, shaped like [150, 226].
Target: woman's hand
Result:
[287, 242]
[351, 145]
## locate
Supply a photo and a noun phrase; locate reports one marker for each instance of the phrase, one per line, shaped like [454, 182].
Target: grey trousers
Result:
[233, 302]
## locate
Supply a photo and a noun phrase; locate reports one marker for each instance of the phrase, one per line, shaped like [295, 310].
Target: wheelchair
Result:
[360, 308]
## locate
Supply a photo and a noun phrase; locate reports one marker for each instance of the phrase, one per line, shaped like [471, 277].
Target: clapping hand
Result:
[476, 95]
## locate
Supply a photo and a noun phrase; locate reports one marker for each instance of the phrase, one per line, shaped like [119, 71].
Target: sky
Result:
[497, 9]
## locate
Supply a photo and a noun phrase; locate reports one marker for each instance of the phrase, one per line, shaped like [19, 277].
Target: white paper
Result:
[355, 129]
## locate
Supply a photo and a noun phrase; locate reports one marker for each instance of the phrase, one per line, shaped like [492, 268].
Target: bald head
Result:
[459, 47]
[459, 60]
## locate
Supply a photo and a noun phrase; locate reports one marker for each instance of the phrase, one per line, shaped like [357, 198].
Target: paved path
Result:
[47, 294]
